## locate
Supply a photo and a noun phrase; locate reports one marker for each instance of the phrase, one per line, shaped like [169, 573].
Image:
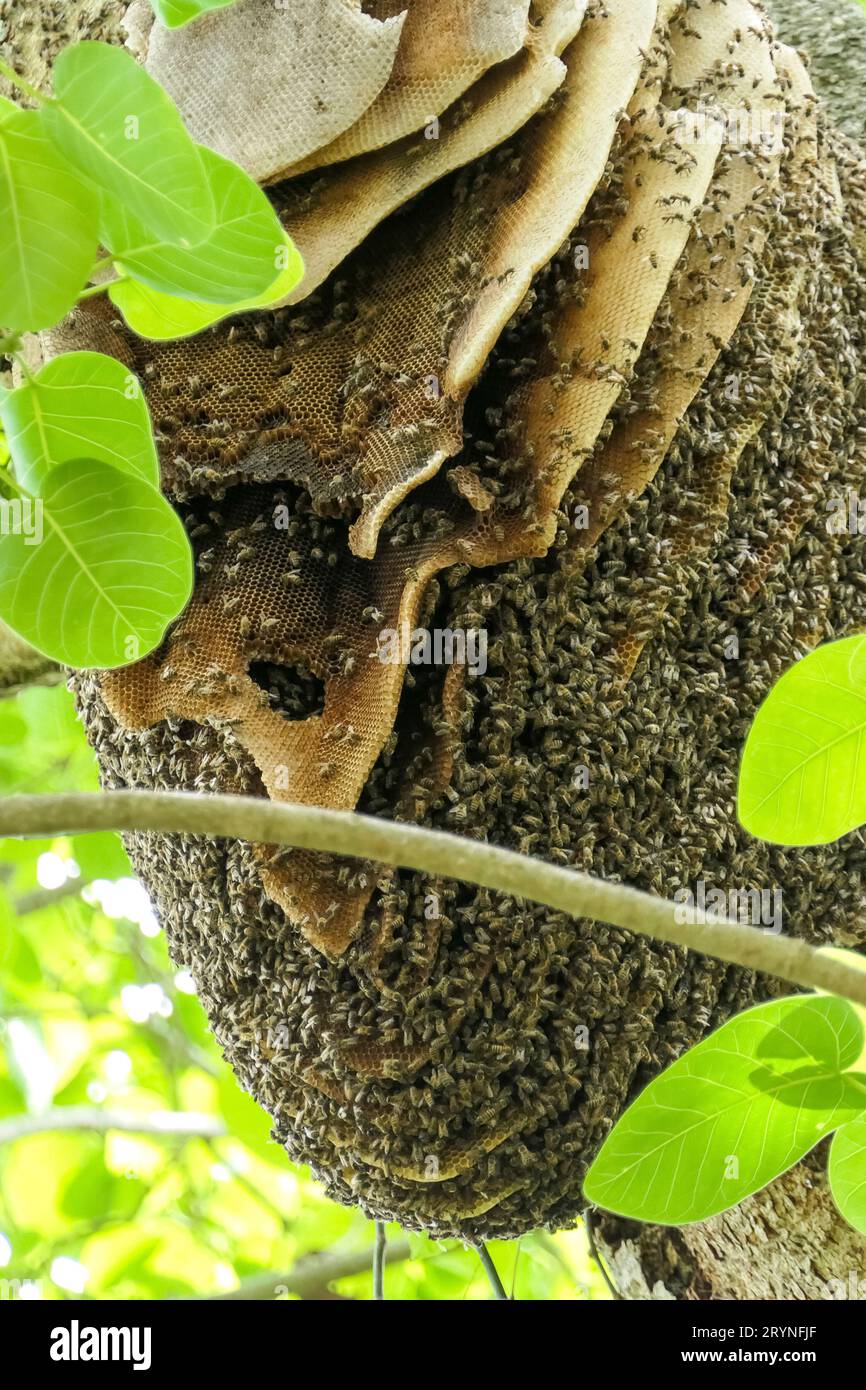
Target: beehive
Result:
[586, 381]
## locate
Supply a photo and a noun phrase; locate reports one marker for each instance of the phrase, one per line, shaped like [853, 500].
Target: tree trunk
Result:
[787, 1243]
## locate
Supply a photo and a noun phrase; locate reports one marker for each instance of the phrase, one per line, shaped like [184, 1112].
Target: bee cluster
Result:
[634, 315]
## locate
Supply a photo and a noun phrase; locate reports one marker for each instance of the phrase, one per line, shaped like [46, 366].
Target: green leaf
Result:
[101, 856]
[846, 1171]
[737, 1110]
[80, 405]
[174, 13]
[854, 961]
[13, 726]
[240, 260]
[151, 314]
[47, 227]
[92, 1191]
[112, 570]
[121, 130]
[246, 1120]
[803, 774]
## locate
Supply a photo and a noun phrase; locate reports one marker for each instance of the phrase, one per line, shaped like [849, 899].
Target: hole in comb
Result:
[293, 691]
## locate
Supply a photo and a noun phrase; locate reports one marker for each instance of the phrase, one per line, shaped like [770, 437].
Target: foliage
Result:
[801, 780]
[94, 1014]
[81, 565]
[175, 13]
[61, 414]
[735, 1112]
[151, 313]
[47, 226]
[749, 1101]
[121, 131]
[236, 261]
[107, 161]
[847, 1172]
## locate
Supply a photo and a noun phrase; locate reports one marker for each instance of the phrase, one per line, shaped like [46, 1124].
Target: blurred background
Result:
[132, 1166]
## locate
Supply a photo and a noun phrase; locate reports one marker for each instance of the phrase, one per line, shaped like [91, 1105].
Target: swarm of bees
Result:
[578, 361]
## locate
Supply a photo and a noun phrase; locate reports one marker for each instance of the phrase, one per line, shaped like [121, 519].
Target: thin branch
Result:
[47, 897]
[160, 1123]
[437, 854]
[594, 1252]
[312, 1276]
[492, 1273]
[379, 1254]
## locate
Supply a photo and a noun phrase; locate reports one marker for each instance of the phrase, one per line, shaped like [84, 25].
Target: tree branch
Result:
[161, 1123]
[313, 1275]
[21, 666]
[47, 897]
[435, 853]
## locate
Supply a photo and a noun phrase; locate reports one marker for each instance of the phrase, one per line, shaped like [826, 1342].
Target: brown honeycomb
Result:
[445, 46]
[331, 213]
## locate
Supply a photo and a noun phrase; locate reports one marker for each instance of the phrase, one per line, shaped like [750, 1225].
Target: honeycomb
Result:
[331, 213]
[321, 63]
[586, 385]
[445, 47]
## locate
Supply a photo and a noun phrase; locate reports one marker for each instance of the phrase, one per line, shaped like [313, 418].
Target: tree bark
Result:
[21, 665]
[787, 1242]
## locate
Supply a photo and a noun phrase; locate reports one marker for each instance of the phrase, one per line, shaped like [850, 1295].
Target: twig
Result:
[435, 853]
[47, 897]
[518, 1252]
[379, 1254]
[102, 287]
[162, 1123]
[312, 1276]
[22, 666]
[594, 1252]
[492, 1272]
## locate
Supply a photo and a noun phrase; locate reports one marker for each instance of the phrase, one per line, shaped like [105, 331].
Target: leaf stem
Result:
[21, 361]
[21, 83]
[9, 477]
[440, 855]
[93, 290]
